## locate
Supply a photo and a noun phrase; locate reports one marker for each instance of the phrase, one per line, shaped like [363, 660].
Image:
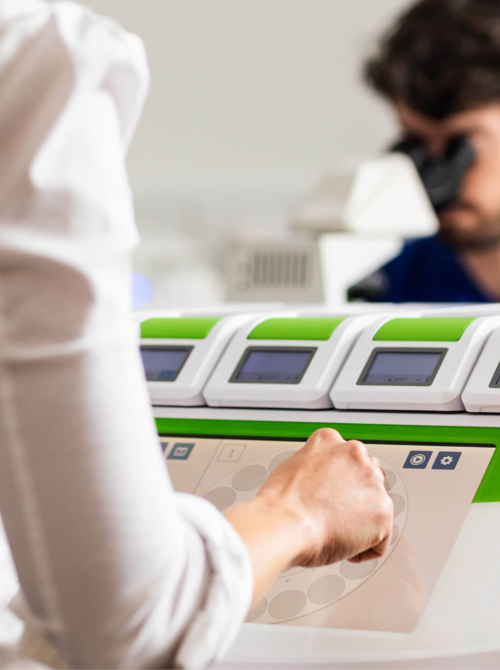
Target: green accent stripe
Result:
[313, 328]
[488, 491]
[432, 329]
[183, 328]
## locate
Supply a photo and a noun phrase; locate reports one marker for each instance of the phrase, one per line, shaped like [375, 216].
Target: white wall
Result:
[250, 101]
[250, 85]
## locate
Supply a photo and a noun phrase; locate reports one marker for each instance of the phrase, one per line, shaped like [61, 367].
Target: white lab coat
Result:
[116, 569]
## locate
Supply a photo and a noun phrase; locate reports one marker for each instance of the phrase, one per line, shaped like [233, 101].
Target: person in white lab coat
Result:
[116, 569]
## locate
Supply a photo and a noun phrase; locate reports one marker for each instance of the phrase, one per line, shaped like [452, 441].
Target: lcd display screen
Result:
[273, 365]
[163, 364]
[402, 367]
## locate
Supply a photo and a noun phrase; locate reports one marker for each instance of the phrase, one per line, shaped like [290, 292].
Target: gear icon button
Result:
[446, 460]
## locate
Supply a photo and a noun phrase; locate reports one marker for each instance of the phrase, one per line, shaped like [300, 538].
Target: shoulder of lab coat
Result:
[80, 51]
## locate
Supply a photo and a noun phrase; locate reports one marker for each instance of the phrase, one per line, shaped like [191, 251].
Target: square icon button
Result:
[418, 460]
[231, 453]
[180, 451]
[446, 460]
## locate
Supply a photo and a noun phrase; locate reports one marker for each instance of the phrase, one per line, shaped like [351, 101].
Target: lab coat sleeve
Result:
[116, 569]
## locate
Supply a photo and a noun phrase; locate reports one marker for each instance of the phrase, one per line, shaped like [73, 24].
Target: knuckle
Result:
[357, 449]
[328, 435]
[380, 534]
[388, 508]
[384, 510]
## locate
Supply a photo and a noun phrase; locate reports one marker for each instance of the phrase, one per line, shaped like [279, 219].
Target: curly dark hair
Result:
[441, 57]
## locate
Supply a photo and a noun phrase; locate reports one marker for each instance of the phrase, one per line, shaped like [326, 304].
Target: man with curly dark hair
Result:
[439, 67]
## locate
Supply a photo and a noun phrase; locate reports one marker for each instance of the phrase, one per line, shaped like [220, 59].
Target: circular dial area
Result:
[301, 591]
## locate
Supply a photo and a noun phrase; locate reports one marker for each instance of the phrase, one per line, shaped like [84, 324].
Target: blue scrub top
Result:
[425, 271]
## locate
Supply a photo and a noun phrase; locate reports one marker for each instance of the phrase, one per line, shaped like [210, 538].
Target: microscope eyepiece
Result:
[443, 176]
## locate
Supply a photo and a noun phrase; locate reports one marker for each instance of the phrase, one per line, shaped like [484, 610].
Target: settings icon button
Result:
[447, 460]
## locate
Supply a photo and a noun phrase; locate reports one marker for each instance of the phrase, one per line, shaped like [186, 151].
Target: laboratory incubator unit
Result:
[235, 395]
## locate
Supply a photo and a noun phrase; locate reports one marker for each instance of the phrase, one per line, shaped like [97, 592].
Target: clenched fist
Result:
[338, 491]
[326, 503]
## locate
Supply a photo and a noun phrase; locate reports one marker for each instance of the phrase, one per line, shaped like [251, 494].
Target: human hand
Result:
[336, 492]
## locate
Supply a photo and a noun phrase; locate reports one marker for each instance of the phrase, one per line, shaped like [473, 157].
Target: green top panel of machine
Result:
[184, 328]
[308, 328]
[423, 329]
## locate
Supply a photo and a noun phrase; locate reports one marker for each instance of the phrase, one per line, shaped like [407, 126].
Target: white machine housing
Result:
[441, 392]
[460, 627]
[203, 355]
[482, 393]
[327, 356]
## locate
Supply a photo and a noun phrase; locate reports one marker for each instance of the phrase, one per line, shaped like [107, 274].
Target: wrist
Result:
[283, 523]
[300, 525]
[278, 537]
